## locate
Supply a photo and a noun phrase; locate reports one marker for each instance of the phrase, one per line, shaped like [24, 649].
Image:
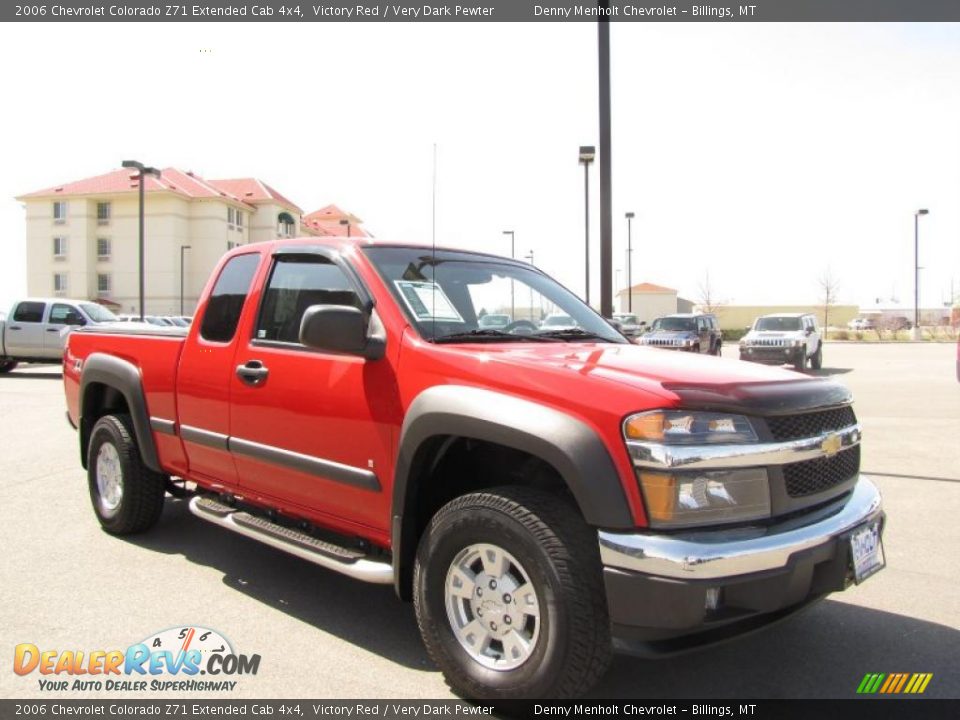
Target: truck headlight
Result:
[685, 499]
[688, 427]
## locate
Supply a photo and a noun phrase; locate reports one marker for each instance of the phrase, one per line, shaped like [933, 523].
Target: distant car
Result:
[691, 332]
[783, 338]
[176, 321]
[558, 321]
[899, 322]
[861, 324]
[494, 321]
[629, 325]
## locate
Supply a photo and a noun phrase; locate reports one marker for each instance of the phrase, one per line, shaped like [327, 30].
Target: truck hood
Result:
[678, 378]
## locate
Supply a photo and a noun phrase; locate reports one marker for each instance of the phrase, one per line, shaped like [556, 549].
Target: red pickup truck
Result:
[543, 495]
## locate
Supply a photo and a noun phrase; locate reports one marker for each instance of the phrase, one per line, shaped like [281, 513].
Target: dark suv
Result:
[693, 332]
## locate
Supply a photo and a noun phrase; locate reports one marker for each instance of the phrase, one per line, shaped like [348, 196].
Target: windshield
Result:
[98, 313]
[675, 324]
[626, 319]
[449, 295]
[778, 324]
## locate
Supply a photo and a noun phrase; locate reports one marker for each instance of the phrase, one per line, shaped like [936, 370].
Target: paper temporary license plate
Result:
[866, 547]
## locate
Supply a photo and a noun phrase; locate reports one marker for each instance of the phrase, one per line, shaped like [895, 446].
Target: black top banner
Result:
[481, 11]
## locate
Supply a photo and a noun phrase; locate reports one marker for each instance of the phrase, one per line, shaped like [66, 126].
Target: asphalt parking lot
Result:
[64, 584]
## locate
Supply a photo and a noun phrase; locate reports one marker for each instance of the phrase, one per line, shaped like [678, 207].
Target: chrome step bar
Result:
[327, 555]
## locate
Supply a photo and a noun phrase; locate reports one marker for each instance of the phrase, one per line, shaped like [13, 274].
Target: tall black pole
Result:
[606, 207]
[142, 181]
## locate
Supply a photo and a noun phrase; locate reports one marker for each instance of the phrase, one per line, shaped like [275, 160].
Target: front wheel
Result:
[7, 365]
[127, 496]
[508, 593]
[816, 362]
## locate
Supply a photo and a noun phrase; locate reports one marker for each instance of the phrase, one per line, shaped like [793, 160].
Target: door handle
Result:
[14, 327]
[252, 372]
[53, 330]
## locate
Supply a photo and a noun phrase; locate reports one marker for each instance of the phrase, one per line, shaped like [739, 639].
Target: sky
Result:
[763, 154]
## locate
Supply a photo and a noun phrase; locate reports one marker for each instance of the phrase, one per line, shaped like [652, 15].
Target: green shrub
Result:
[732, 334]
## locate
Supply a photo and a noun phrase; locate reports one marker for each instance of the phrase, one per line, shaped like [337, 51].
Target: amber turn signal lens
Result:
[660, 495]
[648, 426]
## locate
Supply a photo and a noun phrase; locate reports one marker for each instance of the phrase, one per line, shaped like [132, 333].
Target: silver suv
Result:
[784, 338]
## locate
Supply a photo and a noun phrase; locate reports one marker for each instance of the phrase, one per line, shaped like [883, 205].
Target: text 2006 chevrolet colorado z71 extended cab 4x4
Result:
[542, 495]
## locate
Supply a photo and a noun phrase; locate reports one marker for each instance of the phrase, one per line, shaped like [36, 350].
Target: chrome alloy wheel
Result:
[492, 606]
[109, 479]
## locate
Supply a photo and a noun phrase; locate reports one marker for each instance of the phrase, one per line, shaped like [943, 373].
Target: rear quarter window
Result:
[29, 312]
[226, 301]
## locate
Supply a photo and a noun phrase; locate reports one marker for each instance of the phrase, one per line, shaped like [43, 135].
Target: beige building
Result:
[82, 237]
[738, 317]
[649, 301]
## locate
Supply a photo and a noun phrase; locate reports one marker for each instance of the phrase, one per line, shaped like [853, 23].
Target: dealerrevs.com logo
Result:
[179, 659]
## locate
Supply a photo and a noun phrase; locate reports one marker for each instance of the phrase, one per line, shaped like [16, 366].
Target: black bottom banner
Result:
[868, 709]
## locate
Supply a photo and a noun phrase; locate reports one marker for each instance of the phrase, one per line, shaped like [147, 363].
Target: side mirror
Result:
[75, 319]
[342, 329]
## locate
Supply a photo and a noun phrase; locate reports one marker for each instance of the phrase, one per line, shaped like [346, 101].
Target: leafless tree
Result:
[707, 298]
[829, 286]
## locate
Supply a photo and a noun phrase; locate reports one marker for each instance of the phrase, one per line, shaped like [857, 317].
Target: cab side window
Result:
[222, 315]
[29, 312]
[61, 314]
[296, 283]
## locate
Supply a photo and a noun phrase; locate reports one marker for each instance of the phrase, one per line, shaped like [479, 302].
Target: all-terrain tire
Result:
[556, 554]
[816, 362]
[127, 496]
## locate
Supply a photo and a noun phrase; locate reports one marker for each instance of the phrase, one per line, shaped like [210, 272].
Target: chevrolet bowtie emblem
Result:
[831, 445]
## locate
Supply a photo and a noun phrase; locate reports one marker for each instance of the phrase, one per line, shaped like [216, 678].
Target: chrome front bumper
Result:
[730, 553]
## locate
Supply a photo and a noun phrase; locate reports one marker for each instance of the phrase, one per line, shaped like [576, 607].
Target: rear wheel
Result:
[717, 348]
[509, 597]
[7, 365]
[127, 496]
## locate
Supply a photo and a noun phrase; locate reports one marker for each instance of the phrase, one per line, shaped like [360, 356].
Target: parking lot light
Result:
[916, 334]
[587, 154]
[142, 171]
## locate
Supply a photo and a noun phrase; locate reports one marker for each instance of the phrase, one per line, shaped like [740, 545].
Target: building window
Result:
[60, 283]
[60, 211]
[231, 217]
[239, 220]
[59, 248]
[103, 248]
[286, 225]
[103, 213]
[103, 284]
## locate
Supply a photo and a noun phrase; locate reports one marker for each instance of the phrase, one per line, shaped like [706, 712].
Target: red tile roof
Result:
[326, 222]
[125, 180]
[251, 190]
[649, 288]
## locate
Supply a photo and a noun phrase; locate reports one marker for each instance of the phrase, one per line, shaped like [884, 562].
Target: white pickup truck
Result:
[35, 329]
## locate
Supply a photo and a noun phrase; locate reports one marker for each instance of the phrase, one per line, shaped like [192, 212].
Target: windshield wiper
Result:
[572, 334]
[490, 335]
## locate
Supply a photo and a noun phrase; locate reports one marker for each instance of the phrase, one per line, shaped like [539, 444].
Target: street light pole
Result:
[587, 154]
[916, 271]
[629, 217]
[530, 258]
[142, 171]
[182, 248]
[512, 256]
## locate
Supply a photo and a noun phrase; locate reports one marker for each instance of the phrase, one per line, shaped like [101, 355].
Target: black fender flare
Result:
[566, 443]
[124, 377]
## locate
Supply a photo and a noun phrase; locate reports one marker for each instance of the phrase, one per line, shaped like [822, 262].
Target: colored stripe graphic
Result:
[894, 683]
